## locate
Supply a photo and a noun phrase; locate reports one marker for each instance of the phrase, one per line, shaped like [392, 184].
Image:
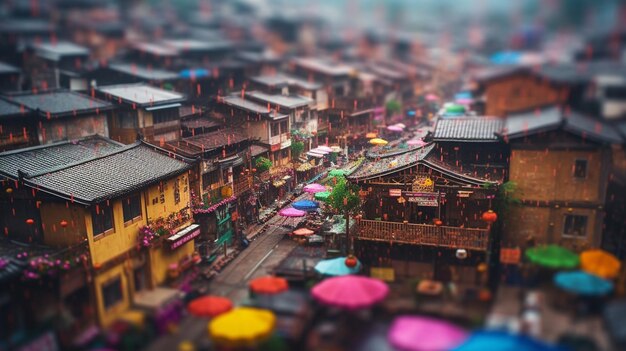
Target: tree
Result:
[392, 107]
[296, 148]
[344, 198]
[262, 164]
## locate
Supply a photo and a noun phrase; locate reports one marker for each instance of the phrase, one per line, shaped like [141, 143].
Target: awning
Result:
[231, 161]
[313, 154]
[184, 236]
[162, 107]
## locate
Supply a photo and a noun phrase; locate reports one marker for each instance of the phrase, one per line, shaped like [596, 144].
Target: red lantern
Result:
[438, 222]
[489, 217]
[351, 261]
[30, 221]
[63, 223]
[9, 190]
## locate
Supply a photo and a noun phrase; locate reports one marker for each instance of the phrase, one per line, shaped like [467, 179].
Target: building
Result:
[56, 65]
[9, 77]
[15, 129]
[560, 163]
[132, 230]
[143, 109]
[54, 115]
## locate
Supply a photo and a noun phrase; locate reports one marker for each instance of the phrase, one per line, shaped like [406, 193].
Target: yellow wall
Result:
[105, 317]
[53, 213]
[168, 206]
[161, 258]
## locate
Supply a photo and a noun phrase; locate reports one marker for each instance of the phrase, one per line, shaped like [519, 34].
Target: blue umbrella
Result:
[305, 205]
[463, 95]
[506, 58]
[502, 341]
[336, 267]
[583, 283]
[196, 73]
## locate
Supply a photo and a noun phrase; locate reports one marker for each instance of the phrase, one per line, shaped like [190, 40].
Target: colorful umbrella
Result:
[370, 135]
[325, 148]
[502, 341]
[337, 173]
[303, 232]
[305, 205]
[583, 283]
[408, 333]
[322, 196]
[314, 188]
[432, 97]
[209, 306]
[600, 263]
[553, 256]
[416, 142]
[350, 292]
[336, 267]
[378, 141]
[269, 285]
[401, 125]
[242, 327]
[335, 148]
[455, 108]
[394, 129]
[291, 212]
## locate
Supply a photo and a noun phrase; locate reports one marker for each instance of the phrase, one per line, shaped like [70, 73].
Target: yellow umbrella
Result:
[370, 135]
[242, 327]
[378, 141]
[600, 263]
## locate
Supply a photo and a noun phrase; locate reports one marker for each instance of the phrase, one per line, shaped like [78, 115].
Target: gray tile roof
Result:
[551, 118]
[6, 68]
[250, 106]
[38, 159]
[59, 102]
[141, 94]
[8, 109]
[280, 80]
[286, 101]
[324, 66]
[143, 72]
[129, 169]
[56, 51]
[469, 129]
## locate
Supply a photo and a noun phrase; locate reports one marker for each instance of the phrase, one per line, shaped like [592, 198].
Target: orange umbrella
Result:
[370, 135]
[269, 285]
[600, 263]
[303, 232]
[209, 306]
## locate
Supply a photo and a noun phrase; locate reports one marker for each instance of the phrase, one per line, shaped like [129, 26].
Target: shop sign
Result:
[383, 273]
[183, 236]
[464, 193]
[275, 147]
[395, 192]
[422, 183]
[510, 255]
[423, 201]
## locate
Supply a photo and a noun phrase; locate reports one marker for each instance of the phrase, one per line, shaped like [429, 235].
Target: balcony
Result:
[351, 105]
[278, 139]
[217, 193]
[423, 234]
[242, 184]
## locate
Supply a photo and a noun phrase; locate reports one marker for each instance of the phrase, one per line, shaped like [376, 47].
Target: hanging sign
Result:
[422, 183]
[421, 201]
[510, 255]
[395, 192]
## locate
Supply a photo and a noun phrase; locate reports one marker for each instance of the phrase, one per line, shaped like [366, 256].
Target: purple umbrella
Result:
[291, 212]
[395, 128]
[350, 292]
[325, 148]
[416, 142]
[432, 97]
[408, 333]
[314, 188]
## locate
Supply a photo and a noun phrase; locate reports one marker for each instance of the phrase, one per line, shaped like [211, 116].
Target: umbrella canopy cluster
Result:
[303, 232]
[338, 173]
[416, 142]
[291, 212]
[322, 196]
[600, 263]
[501, 341]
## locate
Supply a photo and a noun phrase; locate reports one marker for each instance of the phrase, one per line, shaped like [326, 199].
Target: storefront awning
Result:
[184, 236]
[314, 154]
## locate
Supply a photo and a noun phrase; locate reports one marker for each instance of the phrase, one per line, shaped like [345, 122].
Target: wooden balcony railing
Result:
[423, 234]
[242, 184]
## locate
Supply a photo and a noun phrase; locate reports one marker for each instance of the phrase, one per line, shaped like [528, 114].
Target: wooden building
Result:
[560, 164]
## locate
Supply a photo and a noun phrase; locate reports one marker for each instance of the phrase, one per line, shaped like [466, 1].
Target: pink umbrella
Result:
[409, 333]
[432, 97]
[350, 292]
[291, 212]
[416, 142]
[395, 128]
[325, 148]
[314, 188]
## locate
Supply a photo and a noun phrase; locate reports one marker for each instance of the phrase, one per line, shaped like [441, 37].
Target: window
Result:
[275, 130]
[101, 218]
[284, 154]
[580, 169]
[575, 225]
[126, 119]
[139, 275]
[112, 292]
[165, 115]
[132, 207]
[284, 127]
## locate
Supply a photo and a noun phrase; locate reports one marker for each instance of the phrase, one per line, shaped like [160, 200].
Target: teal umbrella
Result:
[336, 267]
[322, 196]
[583, 283]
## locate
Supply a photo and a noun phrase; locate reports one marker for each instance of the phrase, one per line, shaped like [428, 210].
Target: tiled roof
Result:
[143, 72]
[250, 106]
[55, 51]
[551, 118]
[198, 144]
[183, 45]
[38, 159]
[9, 109]
[380, 167]
[256, 150]
[200, 122]
[141, 94]
[469, 129]
[280, 80]
[129, 169]
[324, 66]
[496, 72]
[286, 101]
[6, 68]
[59, 102]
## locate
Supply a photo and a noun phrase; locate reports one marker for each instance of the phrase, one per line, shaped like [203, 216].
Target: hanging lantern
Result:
[63, 223]
[481, 268]
[461, 254]
[351, 261]
[489, 217]
[438, 222]
[30, 221]
[9, 190]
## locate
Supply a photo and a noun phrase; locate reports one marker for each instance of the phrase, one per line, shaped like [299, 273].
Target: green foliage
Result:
[506, 198]
[296, 148]
[262, 164]
[393, 106]
[344, 197]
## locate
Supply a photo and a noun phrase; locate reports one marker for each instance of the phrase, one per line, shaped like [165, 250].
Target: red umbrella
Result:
[269, 285]
[209, 306]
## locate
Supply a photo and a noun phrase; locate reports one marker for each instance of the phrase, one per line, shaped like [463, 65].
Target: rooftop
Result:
[279, 80]
[56, 51]
[143, 72]
[39, 159]
[196, 145]
[6, 68]
[469, 129]
[183, 45]
[56, 103]
[141, 94]
[286, 101]
[8, 109]
[250, 106]
[324, 66]
[200, 122]
[96, 179]
[155, 49]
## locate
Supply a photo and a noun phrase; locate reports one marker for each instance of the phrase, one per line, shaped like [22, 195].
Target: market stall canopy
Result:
[312, 153]
[600, 263]
[553, 256]
[322, 195]
[412, 333]
[209, 306]
[325, 148]
[242, 327]
[314, 188]
[370, 135]
[305, 205]
[416, 142]
[303, 232]
[502, 341]
[319, 150]
[378, 141]
[269, 285]
[394, 129]
[350, 292]
[583, 283]
[291, 212]
[337, 267]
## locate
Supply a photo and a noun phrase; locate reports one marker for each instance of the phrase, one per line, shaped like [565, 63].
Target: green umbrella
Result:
[455, 109]
[337, 173]
[553, 256]
[322, 196]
